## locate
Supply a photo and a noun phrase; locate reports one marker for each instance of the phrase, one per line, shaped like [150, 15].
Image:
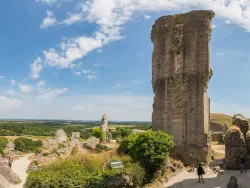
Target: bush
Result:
[127, 143]
[45, 154]
[150, 149]
[98, 133]
[3, 144]
[82, 171]
[27, 145]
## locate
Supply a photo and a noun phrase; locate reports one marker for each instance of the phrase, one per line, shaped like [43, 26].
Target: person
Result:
[242, 164]
[200, 172]
[10, 161]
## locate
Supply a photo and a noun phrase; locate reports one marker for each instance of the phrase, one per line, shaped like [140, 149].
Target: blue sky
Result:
[75, 59]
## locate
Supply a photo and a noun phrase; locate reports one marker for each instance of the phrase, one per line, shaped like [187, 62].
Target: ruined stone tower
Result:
[181, 71]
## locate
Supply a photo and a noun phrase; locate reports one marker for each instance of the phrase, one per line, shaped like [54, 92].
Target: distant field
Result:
[220, 118]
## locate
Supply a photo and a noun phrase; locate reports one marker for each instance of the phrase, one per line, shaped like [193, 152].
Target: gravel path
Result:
[19, 167]
[185, 179]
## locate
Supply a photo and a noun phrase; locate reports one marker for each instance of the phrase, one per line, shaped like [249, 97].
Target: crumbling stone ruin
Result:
[237, 142]
[235, 148]
[7, 176]
[61, 136]
[240, 121]
[104, 127]
[181, 71]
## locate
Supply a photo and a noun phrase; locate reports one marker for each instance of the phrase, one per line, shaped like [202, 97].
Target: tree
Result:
[125, 132]
[27, 145]
[98, 133]
[150, 149]
[3, 144]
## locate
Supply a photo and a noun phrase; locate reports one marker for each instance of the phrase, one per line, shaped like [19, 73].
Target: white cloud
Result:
[135, 82]
[51, 93]
[6, 102]
[36, 68]
[41, 83]
[228, 21]
[78, 73]
[1, 76]
[111, 15]
[11, 91]
[146, 17]
[47, 1]
[25, 88]
[77, 108]
[13, 82]
[118, 85]
[50, 20]
[91, 76]
[73, 18]
[213, 26]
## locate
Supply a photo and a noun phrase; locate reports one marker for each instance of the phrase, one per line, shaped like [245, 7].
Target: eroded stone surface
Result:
[8, 174]
[92, 143]
[233, 182]
[242, 122]
[181, 71]
[235, 147]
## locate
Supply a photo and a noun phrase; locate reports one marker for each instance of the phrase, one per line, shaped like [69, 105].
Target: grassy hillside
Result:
[221, 118]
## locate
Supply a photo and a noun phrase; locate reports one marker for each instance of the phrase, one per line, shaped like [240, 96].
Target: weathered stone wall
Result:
[181, 71]
[235, 148]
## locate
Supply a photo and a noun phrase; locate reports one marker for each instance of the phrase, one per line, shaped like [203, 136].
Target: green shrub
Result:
[55, 151]
[45, 154]
[127, 143]
[60, 146]
[3, 144]
[27, 145]
[98, 133]
[150, 149]
[82, 171]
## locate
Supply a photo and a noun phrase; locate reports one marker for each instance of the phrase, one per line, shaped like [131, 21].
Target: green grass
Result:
[221, 118]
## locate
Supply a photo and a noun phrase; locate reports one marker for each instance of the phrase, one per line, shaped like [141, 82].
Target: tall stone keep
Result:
[181, 71]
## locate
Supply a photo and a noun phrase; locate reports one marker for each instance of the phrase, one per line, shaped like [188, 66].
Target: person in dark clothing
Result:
[242, 164]
[10, 161]
[200, 172]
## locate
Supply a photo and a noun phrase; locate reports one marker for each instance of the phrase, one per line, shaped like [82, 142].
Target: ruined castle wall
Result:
[181, 71]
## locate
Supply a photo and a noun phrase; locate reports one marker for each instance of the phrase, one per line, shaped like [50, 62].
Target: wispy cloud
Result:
[24, 88]
[49, 20]
[49, 2]
[36, 68]
[51, 93]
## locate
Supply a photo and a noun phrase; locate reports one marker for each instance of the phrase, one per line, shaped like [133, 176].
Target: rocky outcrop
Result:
[61, 136]
[240, 121]
[181, 72]
[119, 181]
[74, 139]
[233, 182]
[235, 147]
[91, 143]
[8, 174]
[248, 141]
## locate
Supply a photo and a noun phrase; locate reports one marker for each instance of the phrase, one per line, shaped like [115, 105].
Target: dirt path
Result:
[185, 179]
[19, 167]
